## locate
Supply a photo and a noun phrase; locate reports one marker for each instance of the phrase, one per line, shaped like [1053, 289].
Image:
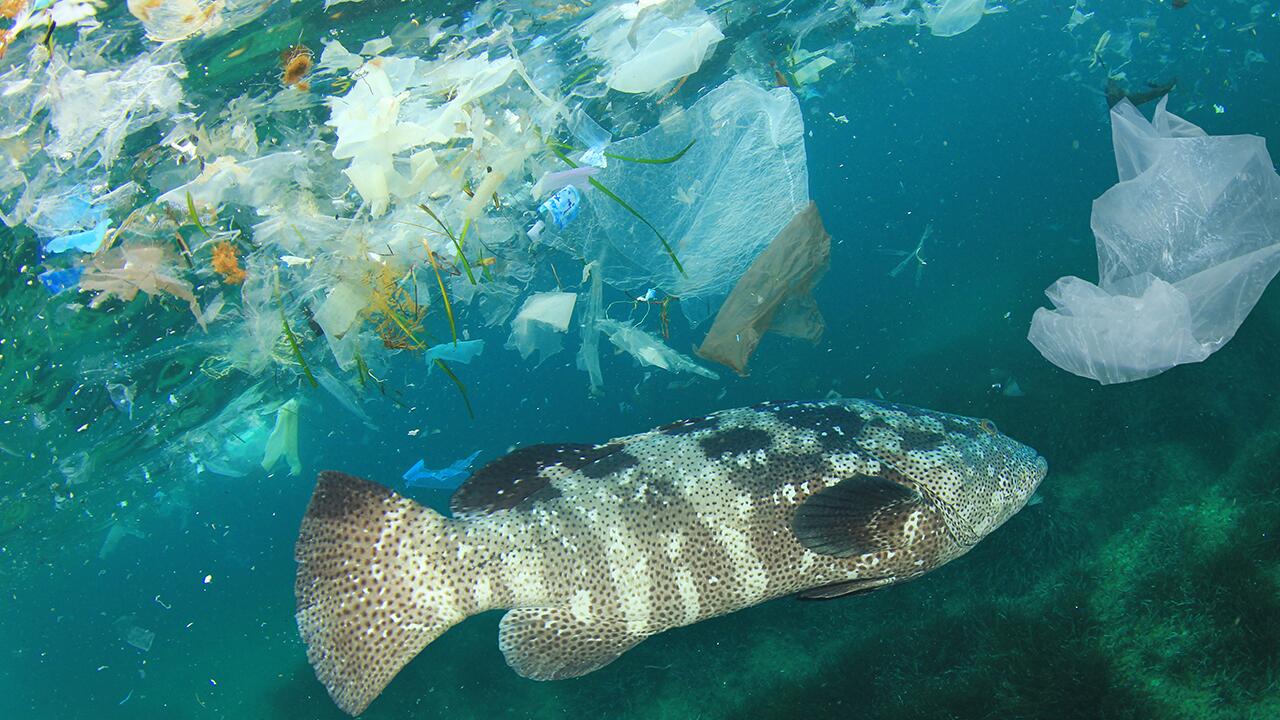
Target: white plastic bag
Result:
[1187, 242]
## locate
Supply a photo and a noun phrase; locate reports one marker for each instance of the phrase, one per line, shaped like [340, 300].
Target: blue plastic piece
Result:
[448, 478]
[55, 281]
[562, 208]
[84, 241]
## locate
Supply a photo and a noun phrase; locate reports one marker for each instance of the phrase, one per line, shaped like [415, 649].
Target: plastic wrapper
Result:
[775, 294]
[649, 350]
[541, 322]
[719, 205]
[1187, 242]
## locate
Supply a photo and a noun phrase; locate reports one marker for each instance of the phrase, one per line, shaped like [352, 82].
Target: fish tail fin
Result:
[374, 585]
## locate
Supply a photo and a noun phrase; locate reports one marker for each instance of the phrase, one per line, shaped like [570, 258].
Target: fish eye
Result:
[988, 427]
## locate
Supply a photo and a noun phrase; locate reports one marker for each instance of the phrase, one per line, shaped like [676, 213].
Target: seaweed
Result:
[457, 242]
[444, 295]
[293, 339]
[462, 389]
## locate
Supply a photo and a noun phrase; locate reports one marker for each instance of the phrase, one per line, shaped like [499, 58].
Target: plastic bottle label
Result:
[561, 208]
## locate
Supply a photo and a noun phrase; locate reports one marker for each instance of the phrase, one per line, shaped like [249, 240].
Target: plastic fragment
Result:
[649, 350]
[463, 352]
[446, 478]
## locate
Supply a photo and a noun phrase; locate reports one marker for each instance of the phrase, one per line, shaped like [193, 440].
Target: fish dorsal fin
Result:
[553, 644]
[860, 514]
[845, 589]
[522, 474]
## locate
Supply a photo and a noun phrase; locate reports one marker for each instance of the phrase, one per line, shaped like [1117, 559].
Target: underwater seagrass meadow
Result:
[245, 241]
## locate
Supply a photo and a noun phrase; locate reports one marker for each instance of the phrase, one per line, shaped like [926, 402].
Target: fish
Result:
[592, 548]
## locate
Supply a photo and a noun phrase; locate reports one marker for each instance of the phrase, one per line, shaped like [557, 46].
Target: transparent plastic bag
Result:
[719, 205]
[1187, 242]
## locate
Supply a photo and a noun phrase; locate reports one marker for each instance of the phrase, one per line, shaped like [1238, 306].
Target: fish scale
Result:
[593, 548]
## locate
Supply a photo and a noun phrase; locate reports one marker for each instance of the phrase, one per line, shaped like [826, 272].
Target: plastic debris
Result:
[140, 637]
[775, 294]
[283, 441]
[122, 397]
[542, 320]
[744, 178]
[952, 17]
[447, 478]
[84, 241]
[1187, 243]
[464, 351]
[123, 271]
[119, 530]
[56, 281]
[168, 21]
[647, 45]
[95, 112]
[649, 350]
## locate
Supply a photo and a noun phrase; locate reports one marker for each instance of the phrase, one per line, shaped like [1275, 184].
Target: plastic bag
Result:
[719, 205]
[647, 45]
[774, 294]
[952, 17]
[1187, 242]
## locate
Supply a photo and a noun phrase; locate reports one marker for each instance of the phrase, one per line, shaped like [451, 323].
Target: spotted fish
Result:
[593, 548]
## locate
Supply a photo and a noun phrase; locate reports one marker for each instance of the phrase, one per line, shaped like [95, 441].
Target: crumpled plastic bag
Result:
[1187, 242]
[775, 294]
[647, 45]
[719, 205]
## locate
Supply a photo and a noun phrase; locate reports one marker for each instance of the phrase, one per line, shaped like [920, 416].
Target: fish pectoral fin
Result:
[844, 589]
[860, 514]
[552, 644]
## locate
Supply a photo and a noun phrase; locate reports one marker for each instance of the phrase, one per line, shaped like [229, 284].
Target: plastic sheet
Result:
[1187, 242]
[775, 294]
[541, 322]
[283, 441]
[719, 205]
[95, 112]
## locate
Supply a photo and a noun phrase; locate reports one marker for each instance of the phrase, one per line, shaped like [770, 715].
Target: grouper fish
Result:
[592, 548]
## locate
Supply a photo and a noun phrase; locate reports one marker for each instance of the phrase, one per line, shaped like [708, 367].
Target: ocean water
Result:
[1145, 584]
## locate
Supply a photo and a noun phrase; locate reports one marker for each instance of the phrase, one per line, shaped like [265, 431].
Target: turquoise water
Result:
[1145, 585]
